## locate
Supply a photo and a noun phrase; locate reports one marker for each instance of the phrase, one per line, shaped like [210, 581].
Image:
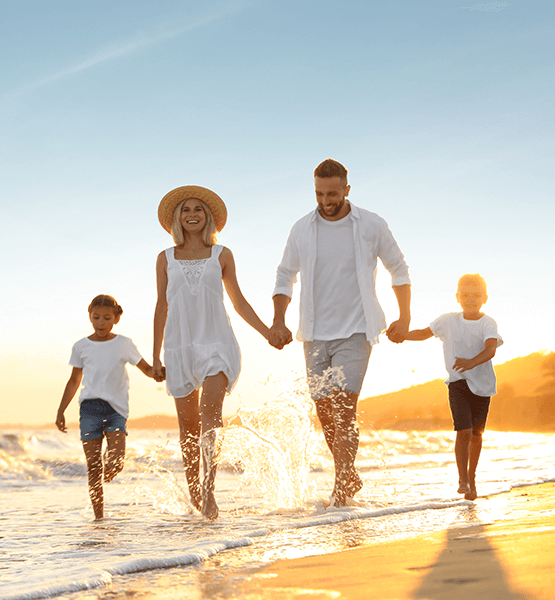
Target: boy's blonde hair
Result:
[208, 233]
[473, 279]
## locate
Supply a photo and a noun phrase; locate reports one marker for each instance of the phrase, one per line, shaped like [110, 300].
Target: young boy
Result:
[470, 340]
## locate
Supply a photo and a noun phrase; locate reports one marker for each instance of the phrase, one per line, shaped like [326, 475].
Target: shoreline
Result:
[509, 557]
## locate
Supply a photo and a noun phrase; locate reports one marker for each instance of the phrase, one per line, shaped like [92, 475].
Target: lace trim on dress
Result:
[193, 270]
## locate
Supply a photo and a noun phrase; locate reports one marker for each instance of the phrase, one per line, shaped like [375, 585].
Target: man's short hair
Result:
[331, 168]
[473, 279]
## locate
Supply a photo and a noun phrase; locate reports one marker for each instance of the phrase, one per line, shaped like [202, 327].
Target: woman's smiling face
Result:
[193, 217]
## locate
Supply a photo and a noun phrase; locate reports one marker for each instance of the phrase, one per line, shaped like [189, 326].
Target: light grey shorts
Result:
[336, 364]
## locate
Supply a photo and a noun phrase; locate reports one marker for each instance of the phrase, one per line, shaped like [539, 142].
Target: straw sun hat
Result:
[172, 199]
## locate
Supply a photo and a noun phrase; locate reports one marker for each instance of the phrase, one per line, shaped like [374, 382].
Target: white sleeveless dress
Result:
[198, 339]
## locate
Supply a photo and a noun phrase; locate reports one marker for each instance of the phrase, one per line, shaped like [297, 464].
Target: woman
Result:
[200, 349]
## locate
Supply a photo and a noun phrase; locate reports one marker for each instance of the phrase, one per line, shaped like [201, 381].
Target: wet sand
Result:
[508, 555]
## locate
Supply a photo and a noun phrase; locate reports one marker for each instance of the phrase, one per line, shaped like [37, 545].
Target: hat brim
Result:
[169, 203]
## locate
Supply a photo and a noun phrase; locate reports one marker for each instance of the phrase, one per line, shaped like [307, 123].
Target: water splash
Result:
[273, 446]
[171, 498]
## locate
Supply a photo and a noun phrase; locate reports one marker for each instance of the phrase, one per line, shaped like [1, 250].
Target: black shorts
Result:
[469, 411]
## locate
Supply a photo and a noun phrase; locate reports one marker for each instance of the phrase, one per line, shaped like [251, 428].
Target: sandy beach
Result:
[511, 555]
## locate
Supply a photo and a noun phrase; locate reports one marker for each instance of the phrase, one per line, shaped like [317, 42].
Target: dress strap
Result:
[170, 254]
[216, 250]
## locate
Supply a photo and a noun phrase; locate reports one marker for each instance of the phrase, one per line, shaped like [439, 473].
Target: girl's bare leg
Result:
[211, 402]
[115, 454]
[93, 454]
[189, 432]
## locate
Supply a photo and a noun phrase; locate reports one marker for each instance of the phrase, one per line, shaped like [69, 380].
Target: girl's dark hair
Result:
[105, 300]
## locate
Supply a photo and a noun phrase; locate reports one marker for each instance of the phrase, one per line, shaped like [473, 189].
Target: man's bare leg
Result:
[342, 407]
[188, 417]
[93, 454]
[211, 402]
[324, 411]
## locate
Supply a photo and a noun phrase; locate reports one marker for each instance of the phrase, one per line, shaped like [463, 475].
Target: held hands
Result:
[158, 371]
[397, 331]
[280, 336]
[160, 376]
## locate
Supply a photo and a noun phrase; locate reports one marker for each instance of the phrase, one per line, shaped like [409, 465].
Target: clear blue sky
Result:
[441, 111]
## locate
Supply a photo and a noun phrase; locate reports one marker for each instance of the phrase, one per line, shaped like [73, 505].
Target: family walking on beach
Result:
[335, 249]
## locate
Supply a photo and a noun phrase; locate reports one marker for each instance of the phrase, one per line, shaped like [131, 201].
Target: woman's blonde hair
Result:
[208, 233]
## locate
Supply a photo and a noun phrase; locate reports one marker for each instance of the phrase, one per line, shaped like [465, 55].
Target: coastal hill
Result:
[525, 400]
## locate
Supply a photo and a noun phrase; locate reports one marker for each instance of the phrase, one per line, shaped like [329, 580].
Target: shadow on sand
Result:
[467, 567]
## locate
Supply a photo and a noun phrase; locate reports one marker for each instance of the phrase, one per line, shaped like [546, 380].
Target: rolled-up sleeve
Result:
[287, 270]
[391, 256]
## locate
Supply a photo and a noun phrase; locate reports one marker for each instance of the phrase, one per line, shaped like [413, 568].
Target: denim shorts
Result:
[96, 417]
[469, 410]
[338, 363]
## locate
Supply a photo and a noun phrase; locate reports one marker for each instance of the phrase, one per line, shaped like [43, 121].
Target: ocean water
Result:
[273, 486]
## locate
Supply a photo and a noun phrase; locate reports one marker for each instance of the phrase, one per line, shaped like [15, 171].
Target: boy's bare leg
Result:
[115, 454]
[188, 417]
[93, 454]
[211, 402]
[474, 451]
[462, 443]
[342, 407]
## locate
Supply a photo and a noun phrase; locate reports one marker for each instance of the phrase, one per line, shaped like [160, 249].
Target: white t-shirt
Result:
[338, 310]
[464, 338]
[104, 372]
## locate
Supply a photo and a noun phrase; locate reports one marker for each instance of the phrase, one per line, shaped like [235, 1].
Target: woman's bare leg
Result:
[188, 417]
[211, 402]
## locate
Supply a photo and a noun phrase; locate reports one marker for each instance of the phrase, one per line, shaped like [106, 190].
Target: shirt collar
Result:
[355, 211]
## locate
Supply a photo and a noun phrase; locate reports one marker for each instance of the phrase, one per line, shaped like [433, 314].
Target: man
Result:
[336, 248]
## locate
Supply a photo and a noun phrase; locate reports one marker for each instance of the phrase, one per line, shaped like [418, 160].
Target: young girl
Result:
[99, 361]
[200, 349]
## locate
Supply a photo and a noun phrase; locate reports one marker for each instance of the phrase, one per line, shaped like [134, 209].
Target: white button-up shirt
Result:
[372, 240]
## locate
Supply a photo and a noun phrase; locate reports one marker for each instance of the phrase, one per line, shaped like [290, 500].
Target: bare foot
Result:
[338, 497]
[335, 502]
[354, 484]
[209, 507]
[196, 496]
[464, 487]
[472, 494]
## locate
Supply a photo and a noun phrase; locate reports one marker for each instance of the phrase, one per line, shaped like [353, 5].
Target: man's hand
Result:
[397, 331]
[280, 336]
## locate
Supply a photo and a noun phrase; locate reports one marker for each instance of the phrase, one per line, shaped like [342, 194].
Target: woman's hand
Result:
[159, 371]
